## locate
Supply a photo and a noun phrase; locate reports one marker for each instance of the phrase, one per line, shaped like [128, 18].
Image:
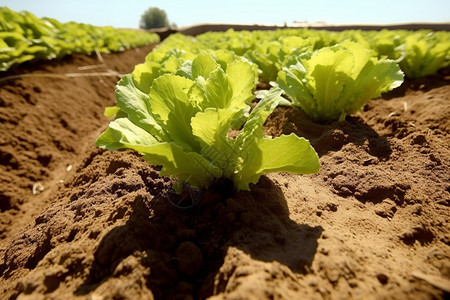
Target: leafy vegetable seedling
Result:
[184, 124]
[336, 81]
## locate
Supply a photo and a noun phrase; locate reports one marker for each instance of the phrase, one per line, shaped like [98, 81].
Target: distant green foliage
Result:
[419, 53]
[25, 37]
[154, 17]
[425, 54]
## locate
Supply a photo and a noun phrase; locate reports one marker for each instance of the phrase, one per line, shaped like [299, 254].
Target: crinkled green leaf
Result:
[374, 79]
[211, 128]
[290, 80]
[242, 81]
[253, 127]
[169, 101]
[144, 74]
[122, 133]
[203, 65]
[137, 106]
[285, 153]
[218, 90]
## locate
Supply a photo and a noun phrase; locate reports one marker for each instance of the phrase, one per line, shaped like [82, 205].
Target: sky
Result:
[127, 13]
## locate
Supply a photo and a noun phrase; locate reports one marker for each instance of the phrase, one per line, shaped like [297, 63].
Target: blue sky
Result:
[126, 13]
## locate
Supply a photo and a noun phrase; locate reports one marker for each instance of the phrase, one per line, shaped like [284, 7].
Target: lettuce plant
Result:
[425, 53]
[185, 124]
[337, 81]
[169, 60]
[270, 55]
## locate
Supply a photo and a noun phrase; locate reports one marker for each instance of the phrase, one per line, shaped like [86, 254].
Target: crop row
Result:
[418, 53]
[25, 37]
[190, 106]
[193, 105]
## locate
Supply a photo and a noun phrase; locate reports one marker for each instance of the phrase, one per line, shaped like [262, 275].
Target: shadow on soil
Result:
[184, 249]
[326, 137]
[423, 84]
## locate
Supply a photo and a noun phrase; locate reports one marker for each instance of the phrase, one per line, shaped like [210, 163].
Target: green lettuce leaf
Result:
[260, 155]
[170, 103]
[122, 133]
[136, 105]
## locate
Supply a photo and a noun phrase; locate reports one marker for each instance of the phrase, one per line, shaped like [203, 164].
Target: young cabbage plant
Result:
[336, 81]
[184, 124]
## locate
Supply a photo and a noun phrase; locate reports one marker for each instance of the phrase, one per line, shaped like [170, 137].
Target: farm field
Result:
[81, 222]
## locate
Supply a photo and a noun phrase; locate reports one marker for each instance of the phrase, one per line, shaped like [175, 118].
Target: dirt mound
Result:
[45, 118]
[373, 223]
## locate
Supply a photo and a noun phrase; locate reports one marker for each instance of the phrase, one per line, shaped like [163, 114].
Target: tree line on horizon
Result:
[154, 17]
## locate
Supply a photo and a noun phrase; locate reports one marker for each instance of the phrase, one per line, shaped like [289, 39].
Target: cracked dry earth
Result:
[372, 224]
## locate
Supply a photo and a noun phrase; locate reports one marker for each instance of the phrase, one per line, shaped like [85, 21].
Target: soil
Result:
[81, 222]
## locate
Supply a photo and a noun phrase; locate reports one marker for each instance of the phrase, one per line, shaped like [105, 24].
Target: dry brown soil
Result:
[372, 224]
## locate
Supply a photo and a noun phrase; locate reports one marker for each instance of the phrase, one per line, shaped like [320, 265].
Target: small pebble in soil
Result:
[382, 278]
[37, 188]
